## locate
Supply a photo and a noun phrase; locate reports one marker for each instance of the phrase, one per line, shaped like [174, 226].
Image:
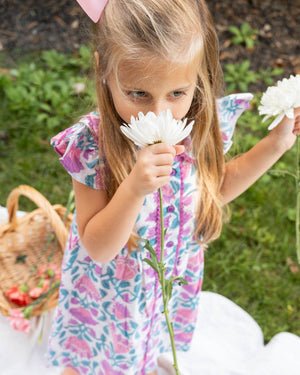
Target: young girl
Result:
[151, 55]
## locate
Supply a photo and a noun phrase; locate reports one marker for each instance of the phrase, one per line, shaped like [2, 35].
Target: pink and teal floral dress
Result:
[109, 317]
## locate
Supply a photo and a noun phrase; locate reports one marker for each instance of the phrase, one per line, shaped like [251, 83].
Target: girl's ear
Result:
[96, 56]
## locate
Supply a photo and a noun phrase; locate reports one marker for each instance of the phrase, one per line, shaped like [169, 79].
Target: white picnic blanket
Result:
[227, 341]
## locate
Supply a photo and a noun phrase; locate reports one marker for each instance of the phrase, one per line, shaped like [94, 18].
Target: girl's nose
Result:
[160, 106]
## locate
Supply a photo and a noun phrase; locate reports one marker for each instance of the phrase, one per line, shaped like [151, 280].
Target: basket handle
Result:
[29, 192]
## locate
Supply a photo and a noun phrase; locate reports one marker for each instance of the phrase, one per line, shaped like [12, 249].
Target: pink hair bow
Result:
[93, 8]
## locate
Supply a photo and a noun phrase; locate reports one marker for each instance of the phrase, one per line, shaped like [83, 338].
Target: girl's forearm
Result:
[108, 231]
[242, 172]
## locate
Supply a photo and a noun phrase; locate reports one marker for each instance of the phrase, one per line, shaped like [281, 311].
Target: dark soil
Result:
[58, 25]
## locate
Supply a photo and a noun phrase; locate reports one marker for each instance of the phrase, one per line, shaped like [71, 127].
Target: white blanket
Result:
[227, 341]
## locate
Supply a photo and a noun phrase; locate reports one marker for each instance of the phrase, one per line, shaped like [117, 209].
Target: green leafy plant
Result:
[267, 75]
[244, 35]
[239, 76]
[293, 214]
[44, 91]
[40, 95]
[277, 102]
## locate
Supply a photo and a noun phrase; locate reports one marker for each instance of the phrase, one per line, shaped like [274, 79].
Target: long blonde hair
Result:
[179, 31]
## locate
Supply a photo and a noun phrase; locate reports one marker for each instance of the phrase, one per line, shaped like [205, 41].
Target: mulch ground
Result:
[32, 25]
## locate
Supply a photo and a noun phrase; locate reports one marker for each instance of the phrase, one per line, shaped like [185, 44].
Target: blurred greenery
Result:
[244, 35]
[253, 262]
[40, 96]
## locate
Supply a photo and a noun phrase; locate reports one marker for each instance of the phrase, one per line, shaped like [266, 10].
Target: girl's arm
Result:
[104, 227]
[242, 172]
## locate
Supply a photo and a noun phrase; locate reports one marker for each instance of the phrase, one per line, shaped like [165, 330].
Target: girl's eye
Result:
[137, 94]
[177, 94]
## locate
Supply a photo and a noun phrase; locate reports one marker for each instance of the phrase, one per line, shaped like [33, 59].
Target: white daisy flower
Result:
[281, 100]
[163, 128]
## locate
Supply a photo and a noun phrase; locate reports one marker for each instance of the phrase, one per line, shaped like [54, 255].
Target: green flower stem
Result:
[171, 333]
[281, 171]
[166, 284]
[162, 230]
[162, 281]
[27, 310]
[296, 176]
[298, 200]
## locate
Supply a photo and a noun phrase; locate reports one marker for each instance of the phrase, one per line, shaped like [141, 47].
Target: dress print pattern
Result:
[109, 317]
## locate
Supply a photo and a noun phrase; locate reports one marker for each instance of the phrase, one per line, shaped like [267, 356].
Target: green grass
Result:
[247, 264]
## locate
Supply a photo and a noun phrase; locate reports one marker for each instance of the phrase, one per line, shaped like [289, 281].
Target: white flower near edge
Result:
[281, 100]
[148, 129]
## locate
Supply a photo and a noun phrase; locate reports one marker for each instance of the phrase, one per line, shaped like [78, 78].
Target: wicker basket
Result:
[28, 236]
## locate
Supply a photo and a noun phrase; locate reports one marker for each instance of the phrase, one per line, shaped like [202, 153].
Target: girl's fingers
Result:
[162, 148]
[163, 171]
[165, 153]
[296, 129]
[179, 149]
[297, 111]
[163, 159]
[154, 166]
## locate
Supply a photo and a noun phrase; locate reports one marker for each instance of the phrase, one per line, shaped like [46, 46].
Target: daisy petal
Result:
[290, 113]
[148, 129]
[280, 100]
[276, 121]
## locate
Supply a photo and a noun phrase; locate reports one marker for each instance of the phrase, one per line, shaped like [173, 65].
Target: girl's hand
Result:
[286, 131]
[153, 168]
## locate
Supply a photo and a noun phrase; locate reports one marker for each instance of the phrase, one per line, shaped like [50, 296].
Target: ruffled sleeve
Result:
[79, 151]
[229, 110]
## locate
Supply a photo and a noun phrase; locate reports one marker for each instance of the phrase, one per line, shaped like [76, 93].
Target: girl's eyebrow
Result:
[184, 88]
[128, 87]
[131, 89]
[134, 88]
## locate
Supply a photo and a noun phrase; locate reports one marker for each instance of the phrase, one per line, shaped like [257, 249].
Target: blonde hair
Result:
[180, 31]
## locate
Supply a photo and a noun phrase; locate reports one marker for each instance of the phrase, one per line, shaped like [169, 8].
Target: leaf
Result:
[169, 289]
[291, 214]
[151, 264]
[21, 258]
[234, 30]
[155, 263]
[250, 43]
[245, 28]
[181, 281]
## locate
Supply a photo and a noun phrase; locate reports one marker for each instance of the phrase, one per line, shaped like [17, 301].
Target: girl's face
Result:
[153, 85]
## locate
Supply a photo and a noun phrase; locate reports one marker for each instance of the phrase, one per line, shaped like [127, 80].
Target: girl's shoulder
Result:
[86, 127]
[229, 109]
[78, 148]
